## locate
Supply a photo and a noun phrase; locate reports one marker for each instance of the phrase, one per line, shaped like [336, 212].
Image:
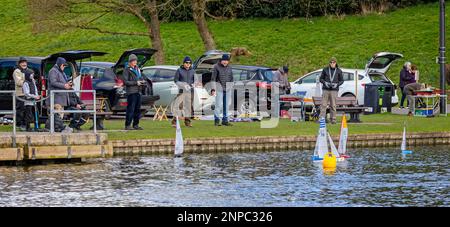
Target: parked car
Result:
[244, 76]
[375, 70]
[162, 77]
[41, 66]
[106, 80]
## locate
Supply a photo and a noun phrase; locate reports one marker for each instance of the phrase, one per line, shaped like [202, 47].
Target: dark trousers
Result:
[20, 112]
[78, 119]
[28, 116]
[402, 101]
[133, 109]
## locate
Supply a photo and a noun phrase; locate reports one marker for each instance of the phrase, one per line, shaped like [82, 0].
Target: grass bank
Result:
[379, 123]
[305, 45]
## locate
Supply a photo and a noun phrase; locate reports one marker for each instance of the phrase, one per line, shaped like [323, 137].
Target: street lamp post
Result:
[442, 52]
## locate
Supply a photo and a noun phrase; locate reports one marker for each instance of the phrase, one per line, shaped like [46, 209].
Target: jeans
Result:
[221, 106]
[133, 109]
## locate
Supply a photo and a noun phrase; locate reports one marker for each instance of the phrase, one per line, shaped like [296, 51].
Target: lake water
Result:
[371, 177]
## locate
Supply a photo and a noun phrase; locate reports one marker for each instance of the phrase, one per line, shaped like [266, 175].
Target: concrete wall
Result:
[166, 146]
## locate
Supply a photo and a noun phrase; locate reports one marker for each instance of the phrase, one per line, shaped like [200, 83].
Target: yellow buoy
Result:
[329, 161]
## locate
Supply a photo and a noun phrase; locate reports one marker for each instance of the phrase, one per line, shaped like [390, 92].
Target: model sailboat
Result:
[179, 147]
[403, 146]
[323, 139]
[342, 150]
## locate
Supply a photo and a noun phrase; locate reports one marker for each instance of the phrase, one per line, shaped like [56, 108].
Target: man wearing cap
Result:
[19, 79]
[221, 75]
[134, 82]
[331, 78]
[58, 80]
[281, 76]
[184, 79]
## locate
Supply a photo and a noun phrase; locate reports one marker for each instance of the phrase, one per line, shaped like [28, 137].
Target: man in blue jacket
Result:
[184, 79]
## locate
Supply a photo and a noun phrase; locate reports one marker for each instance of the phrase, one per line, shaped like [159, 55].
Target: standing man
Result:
[19, 79]
[331, 78]
[57, 80]
[184, 79]
[134, 83]
[222, 74]
[406, 77]
[281, 76]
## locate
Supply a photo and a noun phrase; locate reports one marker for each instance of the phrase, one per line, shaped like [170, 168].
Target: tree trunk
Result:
[198, 8]
[155, 33]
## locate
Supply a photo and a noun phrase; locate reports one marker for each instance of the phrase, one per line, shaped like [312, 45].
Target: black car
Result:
[41, 66]
[107, 83]
[245, 77]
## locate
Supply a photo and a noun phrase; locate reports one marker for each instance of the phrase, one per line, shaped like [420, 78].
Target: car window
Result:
[7, 69]
[100, 73]
[377, 77]
[310, 78]
[239, 75]
[166, 75]
[348, 76]
[159, 75]
[360, 77]
[268, 75]
[254, 76]
[149, 73]
[88, 70]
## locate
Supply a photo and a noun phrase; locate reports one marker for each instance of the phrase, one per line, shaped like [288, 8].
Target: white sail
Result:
[403, 147]
[342, 149]
[333, 148]
[321, 143]
[179, 147]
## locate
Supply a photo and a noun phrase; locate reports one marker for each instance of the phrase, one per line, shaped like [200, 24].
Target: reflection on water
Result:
[371, 177]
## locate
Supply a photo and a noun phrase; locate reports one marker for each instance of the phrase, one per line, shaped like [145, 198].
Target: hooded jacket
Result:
[56, 81]
[325, 78]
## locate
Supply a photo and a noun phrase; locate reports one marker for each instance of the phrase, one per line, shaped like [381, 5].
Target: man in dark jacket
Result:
[134, 83]
[406, 77]
[184, 79]
[331, 78]
[221, 75]
[57, 80]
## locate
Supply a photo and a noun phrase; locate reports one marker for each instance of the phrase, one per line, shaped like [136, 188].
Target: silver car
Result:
[163, 76]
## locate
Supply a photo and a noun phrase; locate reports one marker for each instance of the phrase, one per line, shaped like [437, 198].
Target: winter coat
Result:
[184, 77]
[56, 81]
[406, 78]
[325, 78]
[19, 79]
[222, 75]
[130, 78]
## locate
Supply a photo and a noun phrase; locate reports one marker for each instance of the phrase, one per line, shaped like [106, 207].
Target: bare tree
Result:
[198, 13]
[82, 14]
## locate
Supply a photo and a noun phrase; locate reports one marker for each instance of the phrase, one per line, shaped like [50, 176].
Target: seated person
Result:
[78, 119]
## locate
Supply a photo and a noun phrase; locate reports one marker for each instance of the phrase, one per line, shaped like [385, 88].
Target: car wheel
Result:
[247, 106]
[348, 95]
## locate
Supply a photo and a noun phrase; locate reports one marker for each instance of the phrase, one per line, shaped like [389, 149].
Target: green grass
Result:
[305, 45]
[379, 123]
